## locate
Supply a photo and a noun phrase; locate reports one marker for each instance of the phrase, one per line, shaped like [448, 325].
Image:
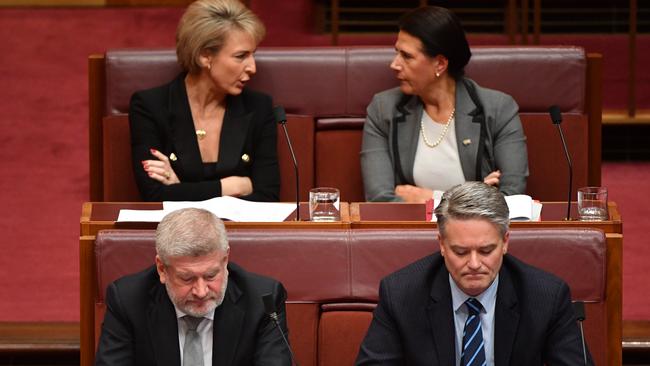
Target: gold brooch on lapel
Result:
[467, 142]
[246, 158]
[173, 157]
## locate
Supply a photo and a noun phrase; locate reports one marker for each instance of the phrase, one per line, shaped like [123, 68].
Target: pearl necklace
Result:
[442, 135]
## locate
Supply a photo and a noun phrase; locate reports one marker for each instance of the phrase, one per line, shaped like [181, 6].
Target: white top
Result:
[437, 168]
[205, 331]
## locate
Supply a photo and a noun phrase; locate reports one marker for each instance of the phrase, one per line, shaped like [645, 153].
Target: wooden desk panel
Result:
[366, 215]
[97, 216]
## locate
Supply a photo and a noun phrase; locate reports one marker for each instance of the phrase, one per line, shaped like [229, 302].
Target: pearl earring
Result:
[437, 74]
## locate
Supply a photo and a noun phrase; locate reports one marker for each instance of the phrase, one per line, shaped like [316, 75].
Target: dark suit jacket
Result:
[413, 323]
[140, 326]
[161, 118]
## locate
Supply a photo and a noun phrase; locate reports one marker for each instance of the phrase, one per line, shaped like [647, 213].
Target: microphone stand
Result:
[556, 117]
[579, 309]
[568, 158]
[281, 118]
[269, 308]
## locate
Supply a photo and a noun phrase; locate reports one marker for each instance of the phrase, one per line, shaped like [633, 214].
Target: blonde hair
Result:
[205, 26]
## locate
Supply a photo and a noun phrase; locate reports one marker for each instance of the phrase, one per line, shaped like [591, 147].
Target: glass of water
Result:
[324, 204]
[592, 204]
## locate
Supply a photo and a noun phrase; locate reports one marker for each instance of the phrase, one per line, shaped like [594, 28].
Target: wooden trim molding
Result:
[51, 3]
[39, 337]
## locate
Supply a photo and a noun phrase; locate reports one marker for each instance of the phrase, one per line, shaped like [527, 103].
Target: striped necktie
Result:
[473, 348]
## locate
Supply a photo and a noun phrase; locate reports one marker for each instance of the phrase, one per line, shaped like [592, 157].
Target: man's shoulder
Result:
[250, 280]
[137, 281]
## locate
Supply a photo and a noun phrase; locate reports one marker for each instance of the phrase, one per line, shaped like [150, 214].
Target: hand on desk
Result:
[160, 169]
[413, 194]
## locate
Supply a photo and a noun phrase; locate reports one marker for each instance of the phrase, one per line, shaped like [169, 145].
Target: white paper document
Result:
[229, 208]
[141, 215]
[523, 208]
[236, 209]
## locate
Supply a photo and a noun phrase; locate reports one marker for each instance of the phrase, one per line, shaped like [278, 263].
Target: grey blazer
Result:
[504, 142]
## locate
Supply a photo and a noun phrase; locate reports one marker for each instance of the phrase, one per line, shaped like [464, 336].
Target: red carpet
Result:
[44, 172]
[628, 187]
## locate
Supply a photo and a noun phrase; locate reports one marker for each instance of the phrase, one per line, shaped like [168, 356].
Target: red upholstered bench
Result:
[332, 279]
[326, 91]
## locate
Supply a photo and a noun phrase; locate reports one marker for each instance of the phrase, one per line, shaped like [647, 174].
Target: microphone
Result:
[269, 309]
[556, 117]
[579, 310]
[281, 118]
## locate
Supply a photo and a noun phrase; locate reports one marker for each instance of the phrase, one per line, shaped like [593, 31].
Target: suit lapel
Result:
[441, 318]
[163, 328]
[408, 134]
[228, 323]
[467, 132]
[236, 124]
[506, 319]
[183, 133]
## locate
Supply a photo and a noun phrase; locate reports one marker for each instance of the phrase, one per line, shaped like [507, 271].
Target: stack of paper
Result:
[228, 208]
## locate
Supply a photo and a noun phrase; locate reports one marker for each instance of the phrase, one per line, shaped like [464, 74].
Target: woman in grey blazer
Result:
[439, 129]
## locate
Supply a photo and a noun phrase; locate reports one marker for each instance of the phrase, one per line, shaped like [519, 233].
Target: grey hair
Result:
[190, 232]
[473, 200]
[205, 25]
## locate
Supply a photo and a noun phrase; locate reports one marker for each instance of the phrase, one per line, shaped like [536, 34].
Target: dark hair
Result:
[441, 33]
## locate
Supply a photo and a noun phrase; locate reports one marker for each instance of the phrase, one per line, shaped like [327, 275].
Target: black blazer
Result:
[161, 118]
[413, 323]
[140, 326]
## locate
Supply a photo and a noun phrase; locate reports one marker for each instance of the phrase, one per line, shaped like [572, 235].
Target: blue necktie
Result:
[473, 348]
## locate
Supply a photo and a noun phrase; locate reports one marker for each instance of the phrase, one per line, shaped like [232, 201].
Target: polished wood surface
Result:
[148, 2]
[632, 60]
[97, 216]
[96, 86]
[594, 108]
[636, 338]
[39, 336]
[380, 214]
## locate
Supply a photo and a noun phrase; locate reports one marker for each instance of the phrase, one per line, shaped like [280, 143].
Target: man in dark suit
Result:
[192, 307]
[471, 303]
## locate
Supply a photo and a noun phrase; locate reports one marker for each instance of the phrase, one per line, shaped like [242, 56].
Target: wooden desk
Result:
[413, 215]
[97, 216]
